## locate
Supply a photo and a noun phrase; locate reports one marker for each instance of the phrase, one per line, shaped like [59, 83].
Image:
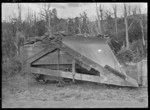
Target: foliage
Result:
[138, 50]
[40, 26]
[125, 55]
[8, 46]
[114, 45]
[84, 27]
[110, 27]
[11, 67]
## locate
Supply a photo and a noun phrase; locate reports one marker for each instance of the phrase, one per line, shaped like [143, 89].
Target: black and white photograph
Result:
[74, 54]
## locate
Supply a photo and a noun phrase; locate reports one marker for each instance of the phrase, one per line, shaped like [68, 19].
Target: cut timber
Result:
[142, 73]
[115, 71]
[78, 76]
[83, 77]
[125, 77]
[73, 69]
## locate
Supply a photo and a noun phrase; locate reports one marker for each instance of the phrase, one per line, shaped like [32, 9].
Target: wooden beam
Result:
[58, 64]
[63, 74]
[73, 70]
[84, 77]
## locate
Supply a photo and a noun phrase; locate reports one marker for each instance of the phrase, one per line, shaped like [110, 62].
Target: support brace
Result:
[73, 70]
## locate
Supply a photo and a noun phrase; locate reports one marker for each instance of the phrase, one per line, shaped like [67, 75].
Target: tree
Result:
[71, 29]
[141, 24]
[90, 27]
[101, 12]
[54, 13]
[84, 27]
[129, 10]
[134, 10]
[40, 26]
[19, 17]
[101, 17]
[126, 26]
[46, 13]
[35, 20]
[109, 24]
[115, 14]
[99, 25]
[77, 25]
[19, 39]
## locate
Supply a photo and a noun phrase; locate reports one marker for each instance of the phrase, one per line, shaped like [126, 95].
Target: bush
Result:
[11, 67]
[114, 45]
[125, 55]
[8, 47]
[138, 50]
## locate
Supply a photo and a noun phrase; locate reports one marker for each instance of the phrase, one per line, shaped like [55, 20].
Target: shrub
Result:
[11, 67]
[125, 55]
[138, 50]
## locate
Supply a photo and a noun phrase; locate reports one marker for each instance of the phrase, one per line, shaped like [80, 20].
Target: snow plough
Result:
[77, 58]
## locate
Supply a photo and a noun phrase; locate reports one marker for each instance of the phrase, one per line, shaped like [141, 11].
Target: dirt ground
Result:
[25, 92]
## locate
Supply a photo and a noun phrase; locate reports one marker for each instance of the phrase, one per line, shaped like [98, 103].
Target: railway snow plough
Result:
[77, 58]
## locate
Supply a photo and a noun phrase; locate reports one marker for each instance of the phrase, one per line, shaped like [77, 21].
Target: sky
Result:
[66, 10]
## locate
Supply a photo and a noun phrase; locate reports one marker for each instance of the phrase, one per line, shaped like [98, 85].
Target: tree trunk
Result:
[115, 14]
[141, 24]
[142, 29]
[49, 30]
[99, 25]
[35, 19]
[18, 28]
[101, 16]
[126, 27]
[79, 26]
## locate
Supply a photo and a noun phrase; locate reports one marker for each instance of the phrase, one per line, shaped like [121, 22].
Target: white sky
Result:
[66, 10]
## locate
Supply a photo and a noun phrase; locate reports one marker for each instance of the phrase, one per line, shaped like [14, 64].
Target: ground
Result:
[25, 92]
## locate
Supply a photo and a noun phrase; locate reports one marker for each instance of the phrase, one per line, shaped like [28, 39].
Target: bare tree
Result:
[35, 19]
[129, 10]
[101, 10]
[46, 13]
[99, 24]
[30, 17]
[19, 10]
[90, 27]
[20, 38]
[108, 14]
[80, 23]
[115, 14]
[129, 13]
[141, 24]
[18, 22]
[126, 26]
[134, 10]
